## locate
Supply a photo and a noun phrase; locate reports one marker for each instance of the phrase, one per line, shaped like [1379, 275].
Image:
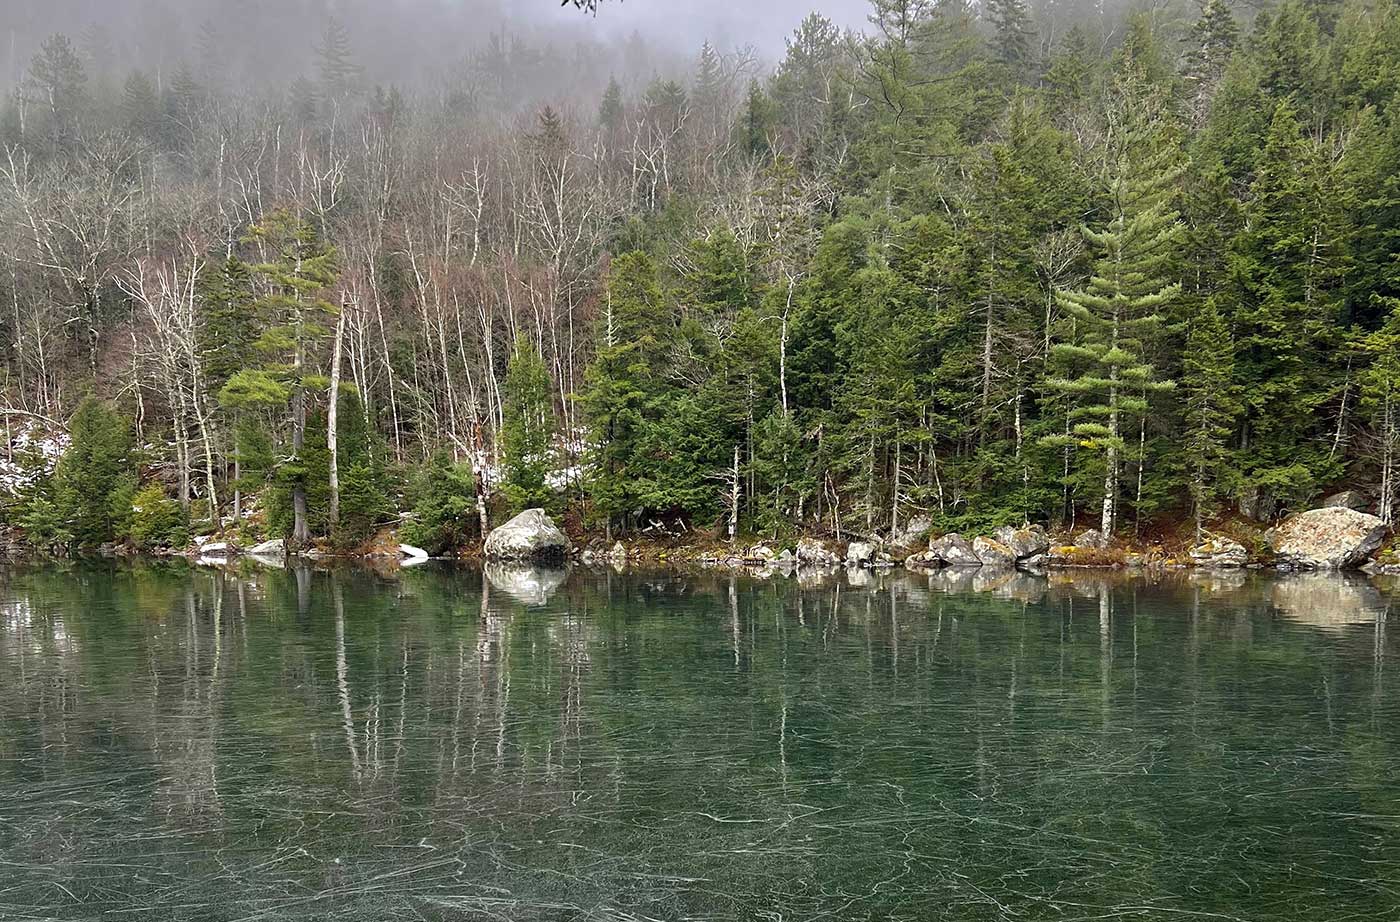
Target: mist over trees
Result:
[982, 262]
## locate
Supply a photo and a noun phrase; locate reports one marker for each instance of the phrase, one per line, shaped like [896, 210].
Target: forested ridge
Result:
[989, 263]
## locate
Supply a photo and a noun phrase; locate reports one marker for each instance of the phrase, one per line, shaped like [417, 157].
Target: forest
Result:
[983, 262]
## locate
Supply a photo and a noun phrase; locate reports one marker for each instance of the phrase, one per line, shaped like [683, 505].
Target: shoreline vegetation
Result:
[1130, 277]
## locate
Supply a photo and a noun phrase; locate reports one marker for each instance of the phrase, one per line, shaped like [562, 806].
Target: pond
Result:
[443, 743]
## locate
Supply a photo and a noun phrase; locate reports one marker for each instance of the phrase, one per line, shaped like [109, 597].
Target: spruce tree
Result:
[1380, 397]
[57, 88]
[95, 479]
[1012, 34]
[1212, 404]
[527, 437]
[624, 384]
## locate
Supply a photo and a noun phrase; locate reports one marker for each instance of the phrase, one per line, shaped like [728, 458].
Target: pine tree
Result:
[1287, 266]
[528, 434]
[1212, 404]
[335, 61]
[1209, 45]
[141, 107]
[758, 121]
[300, 269]
[1104, 369]
[610, 111]
[57, 86]
[1012, 34]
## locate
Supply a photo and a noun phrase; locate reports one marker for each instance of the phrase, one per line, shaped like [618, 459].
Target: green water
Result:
[193, 745]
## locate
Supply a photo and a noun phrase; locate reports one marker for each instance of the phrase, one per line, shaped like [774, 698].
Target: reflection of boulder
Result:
[1020, 587]
[1327, 600]
[991, 579]
[1327, 539]
[1217, 580]
[859, 578]
[954, 580]
[524, 583]
[531, 535]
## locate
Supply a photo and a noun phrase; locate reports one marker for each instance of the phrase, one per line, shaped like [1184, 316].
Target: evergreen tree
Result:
[57, 87]
[624, 384]
[1012, 34]
[335, 61]
[443, 498]
[295, 278]
[1209, 45]
[141, 107]
[528, 433]
[1380, 397]
[1104, 366]
[95, 479]
[610, 110]
[1212, 404]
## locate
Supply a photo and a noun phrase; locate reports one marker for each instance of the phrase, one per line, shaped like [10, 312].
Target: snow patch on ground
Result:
[33, 455]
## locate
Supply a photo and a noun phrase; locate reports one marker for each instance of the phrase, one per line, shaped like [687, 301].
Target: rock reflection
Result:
[529, 585]
[1328, 600]
[307, 744]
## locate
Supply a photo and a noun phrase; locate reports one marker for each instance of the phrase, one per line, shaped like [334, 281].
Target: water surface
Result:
[441, 744]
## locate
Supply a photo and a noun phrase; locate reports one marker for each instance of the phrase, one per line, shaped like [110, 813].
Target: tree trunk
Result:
[301, 527]
[332, 417]
[734, 498]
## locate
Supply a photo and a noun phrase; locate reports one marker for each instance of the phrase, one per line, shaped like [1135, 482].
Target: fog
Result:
[726, 23]
[401, 42]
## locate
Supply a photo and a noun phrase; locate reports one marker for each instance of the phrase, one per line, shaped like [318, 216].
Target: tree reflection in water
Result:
[452, 743]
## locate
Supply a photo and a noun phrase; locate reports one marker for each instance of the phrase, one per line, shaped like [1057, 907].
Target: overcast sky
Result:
[726, 23]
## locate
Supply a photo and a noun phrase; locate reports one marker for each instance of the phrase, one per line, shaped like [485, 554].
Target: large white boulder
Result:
[1327, 539]
[955, 550]
[860, 553]
[812, 553]
[531, 535]
[1024, 542]
[992, 552]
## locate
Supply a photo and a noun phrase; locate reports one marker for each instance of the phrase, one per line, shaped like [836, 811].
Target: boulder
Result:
[955, 550]
[274, 548]
[760, 555]
[912, 533]
[1348, 499]
[1326, 539]
[992, 553]
[860, 553]
[812, 553]
[618, 554]
[1024, 542]
[531, 535]
[1221, 553]
[1091, 538]
[925, 560]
